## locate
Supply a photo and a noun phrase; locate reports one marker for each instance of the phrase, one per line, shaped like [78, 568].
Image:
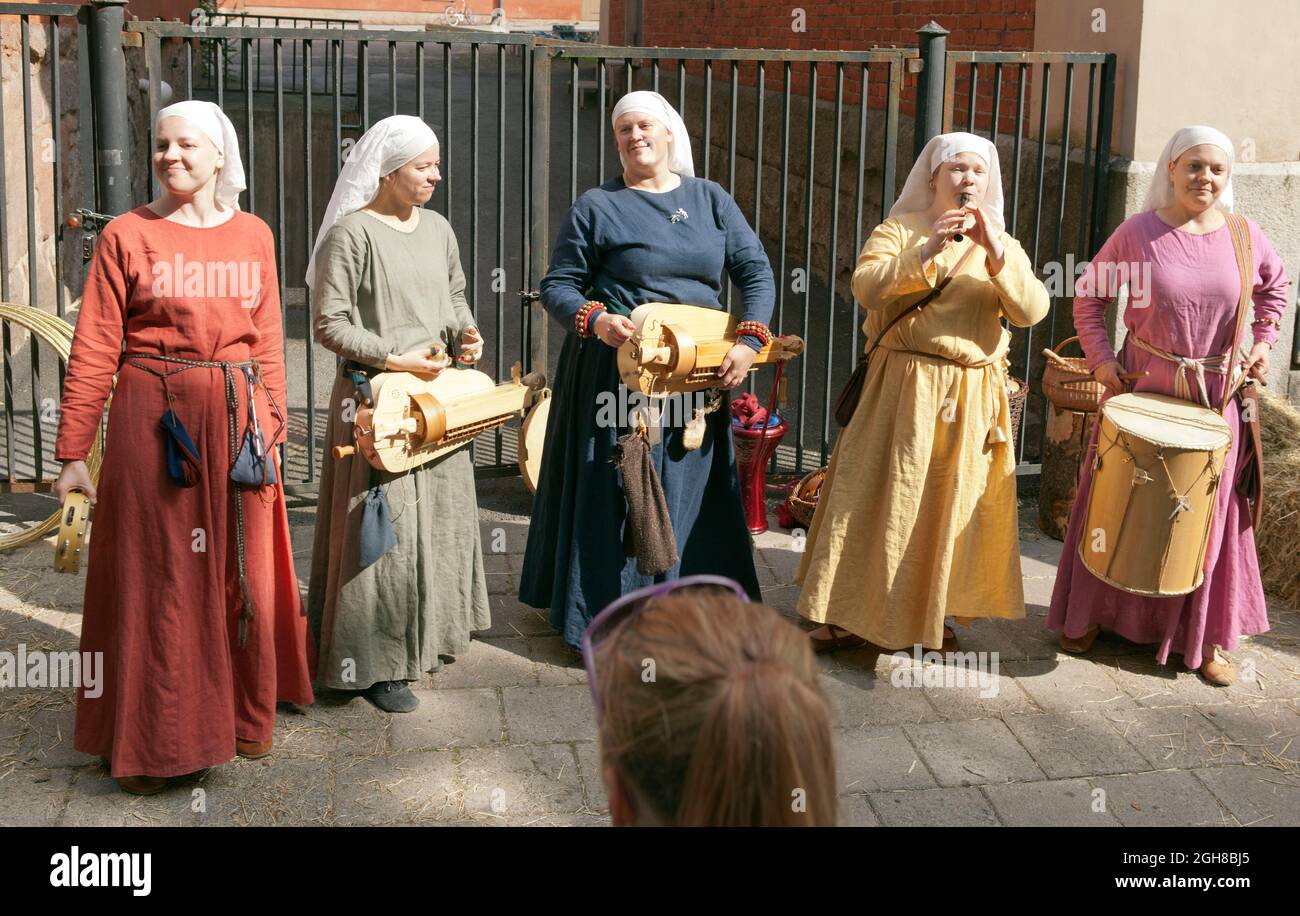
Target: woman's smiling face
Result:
[184, 158]
[1199, 176]
[642, 140]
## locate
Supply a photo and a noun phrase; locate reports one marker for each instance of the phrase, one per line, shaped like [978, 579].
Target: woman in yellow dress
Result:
[917, 517]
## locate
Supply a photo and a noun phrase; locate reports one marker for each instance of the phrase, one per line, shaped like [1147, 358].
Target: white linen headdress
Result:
[210, 119]
[655, 105]
[1161, 192]
[917, 194]
[385, 148]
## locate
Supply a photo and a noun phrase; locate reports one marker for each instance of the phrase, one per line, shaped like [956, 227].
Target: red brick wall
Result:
[851, 25]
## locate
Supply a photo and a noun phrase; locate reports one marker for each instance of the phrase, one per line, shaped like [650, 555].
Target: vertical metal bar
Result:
[932, 43]
[781, 279]
[499, 283]
[600, 119]
[708, 115]
[473, 181]
[731, 164]
[540, 229]
[1085, 203]
[33, 242]
[1016, 147]
[85, 102]
[889, 168]
[529, 51]
[856, 346]
[189, 68]
[970, 102]
[363, 80]
[997, 100]
[627, 68]
[1042, 158]
[6, 343]
[760, 85]
[112, 122]
[1101, 164]
[419, 79]
[1056, 250]
[56, 165]
[810, 188]
[221, 72]
[836, 147]
[573, 129]
[309, 236]
[278, 57]
[654, 69]
[446, 128]
[392, 77]
[681, 88]
[336, 52]
[250, 156]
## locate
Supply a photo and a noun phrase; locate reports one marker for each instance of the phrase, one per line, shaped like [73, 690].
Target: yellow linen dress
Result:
[917, 516]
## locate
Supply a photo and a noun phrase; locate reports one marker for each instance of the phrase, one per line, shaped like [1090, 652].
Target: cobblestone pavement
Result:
[504, 735]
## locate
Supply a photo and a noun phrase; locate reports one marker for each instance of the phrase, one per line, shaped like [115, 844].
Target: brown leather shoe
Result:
[1077, 646]
[252, 750]
[142, 785]
[1218, 669]
[839, 638]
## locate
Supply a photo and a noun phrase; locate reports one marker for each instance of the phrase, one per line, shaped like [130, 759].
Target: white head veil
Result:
[1161, 192]
[655, 105]
[210, 119]
[385, 148]
[917, 194]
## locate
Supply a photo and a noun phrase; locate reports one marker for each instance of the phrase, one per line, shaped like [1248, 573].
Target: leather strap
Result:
[923, 301]
[1240, 232]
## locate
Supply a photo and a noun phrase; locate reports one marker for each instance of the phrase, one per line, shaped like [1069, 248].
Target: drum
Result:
[1155, 480]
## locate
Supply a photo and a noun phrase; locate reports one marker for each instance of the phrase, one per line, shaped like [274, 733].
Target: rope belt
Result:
[228, 370]
[1197, 367]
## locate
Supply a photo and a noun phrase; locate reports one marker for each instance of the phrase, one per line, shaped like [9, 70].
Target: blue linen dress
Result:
[622, 246]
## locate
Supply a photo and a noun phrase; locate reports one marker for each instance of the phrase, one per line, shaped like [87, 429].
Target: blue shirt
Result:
[625, 247]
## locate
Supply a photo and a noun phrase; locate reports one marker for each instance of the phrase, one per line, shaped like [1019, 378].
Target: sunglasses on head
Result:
[622, 609]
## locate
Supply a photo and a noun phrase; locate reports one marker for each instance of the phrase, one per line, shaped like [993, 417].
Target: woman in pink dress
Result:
[1184, 303]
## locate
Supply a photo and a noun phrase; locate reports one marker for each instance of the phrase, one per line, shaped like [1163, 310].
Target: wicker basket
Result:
[1068, 384]
[1017, 394]
[802, 501]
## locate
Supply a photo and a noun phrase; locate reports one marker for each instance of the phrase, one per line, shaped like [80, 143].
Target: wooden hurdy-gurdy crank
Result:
[679, 348]
[414, 419]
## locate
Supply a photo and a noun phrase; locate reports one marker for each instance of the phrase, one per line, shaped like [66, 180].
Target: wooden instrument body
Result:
[679, 348]
[416, 419]
[70, 544]
[1155, 484]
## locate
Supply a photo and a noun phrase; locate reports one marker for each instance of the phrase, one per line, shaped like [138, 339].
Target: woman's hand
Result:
[1108, 374]
[424, 361]
[74, 476]
[471, 346]
[1256, 363]
[736, 364]
[982, 234]
[949, 223]
[613, 330]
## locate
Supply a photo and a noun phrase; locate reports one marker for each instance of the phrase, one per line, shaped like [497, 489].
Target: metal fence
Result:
[806, 141]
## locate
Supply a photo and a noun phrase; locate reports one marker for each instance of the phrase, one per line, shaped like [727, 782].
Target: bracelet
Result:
[1267, 321]
[584, 313]
[755, 329]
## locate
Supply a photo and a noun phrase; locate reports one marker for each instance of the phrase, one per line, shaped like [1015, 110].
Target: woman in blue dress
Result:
[656, 233]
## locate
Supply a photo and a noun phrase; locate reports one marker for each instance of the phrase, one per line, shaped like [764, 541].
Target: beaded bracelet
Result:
[755, 329]
[1266, 321]
[584, 313]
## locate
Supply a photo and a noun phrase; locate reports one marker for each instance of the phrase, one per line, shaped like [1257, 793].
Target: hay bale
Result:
[1278, 537]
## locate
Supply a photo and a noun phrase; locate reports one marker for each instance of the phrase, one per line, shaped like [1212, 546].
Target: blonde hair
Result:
[713, 714]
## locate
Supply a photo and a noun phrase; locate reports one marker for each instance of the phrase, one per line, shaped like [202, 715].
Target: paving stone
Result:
[1065, 684]
[1251, 732]
[593, 781]
[545, 714]
[47, 740]
[558, 663]
[34, 797]
[274, 791]
[500, 662]
[972, 753]
[1168, 798]
[521, 782]
[448, 718]
[855, 811]
[875, 759]
[510, 617]
[784, 562]
[969, 702]
[1055, 803]
[1152, 684]
[332, 725]
[409, 788]
[860, 699]
[95, 800]
[784, 599]
[1171, 737]
[934, 808]
[1075, 744]
[510, 535]
[1254, 795]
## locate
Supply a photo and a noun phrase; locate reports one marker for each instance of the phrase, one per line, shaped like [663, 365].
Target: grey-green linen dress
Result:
[380, 290]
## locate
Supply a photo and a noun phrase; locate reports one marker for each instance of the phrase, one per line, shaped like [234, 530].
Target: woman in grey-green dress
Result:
[388, 284]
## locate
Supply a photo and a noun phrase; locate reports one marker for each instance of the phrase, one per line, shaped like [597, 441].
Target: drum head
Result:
[532, 435]
[1168, 422]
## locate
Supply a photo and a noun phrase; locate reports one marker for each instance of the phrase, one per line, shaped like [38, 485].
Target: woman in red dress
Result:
[191, 594]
